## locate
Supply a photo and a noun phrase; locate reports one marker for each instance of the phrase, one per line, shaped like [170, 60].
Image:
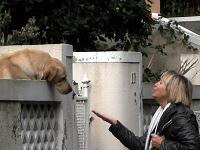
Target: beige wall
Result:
[194, 73]
[176, 54]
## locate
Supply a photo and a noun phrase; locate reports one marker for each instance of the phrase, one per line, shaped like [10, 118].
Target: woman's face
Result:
[160, 92]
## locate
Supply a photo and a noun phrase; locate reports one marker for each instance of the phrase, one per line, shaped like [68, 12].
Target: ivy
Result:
[83, 23]
[26, 35]
[88, 25]
[180, 8]
[172, 33]
[150, 76]
[5, 20]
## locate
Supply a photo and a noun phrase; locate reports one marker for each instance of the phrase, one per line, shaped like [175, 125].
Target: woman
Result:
[173, 126]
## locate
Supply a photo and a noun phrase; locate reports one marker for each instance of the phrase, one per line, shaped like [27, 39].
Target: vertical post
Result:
[85, 86]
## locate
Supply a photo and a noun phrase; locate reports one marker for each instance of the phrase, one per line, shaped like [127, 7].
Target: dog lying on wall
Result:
[35, 65]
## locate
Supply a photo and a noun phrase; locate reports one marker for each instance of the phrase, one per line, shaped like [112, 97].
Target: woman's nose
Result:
[155, 84]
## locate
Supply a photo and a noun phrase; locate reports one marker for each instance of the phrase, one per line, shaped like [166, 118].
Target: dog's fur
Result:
[35, 65]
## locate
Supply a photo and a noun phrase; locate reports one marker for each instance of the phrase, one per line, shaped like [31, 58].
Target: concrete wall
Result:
[194, 73]
[10, 137]
[172, 60]
[39, 91]
[191, 22]
[192, 25]
[14, 93]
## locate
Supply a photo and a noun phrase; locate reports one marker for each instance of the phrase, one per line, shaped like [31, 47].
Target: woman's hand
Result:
[105, 117]
[156, 140]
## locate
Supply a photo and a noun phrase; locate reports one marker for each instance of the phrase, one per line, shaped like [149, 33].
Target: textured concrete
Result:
[40, 91]
[10, 137]
[23, 90]
[15, 92]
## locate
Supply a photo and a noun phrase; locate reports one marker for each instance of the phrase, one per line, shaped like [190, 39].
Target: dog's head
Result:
[55, 73]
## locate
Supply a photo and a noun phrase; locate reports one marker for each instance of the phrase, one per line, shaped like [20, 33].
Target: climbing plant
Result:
[180, 8]
[5, 20]
[85, 24]
[80, 22]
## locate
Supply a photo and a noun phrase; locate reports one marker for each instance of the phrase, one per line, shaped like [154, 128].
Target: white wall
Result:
[115, 89]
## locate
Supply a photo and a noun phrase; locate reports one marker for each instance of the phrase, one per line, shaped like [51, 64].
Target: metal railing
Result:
[39, 126]
[82, 113]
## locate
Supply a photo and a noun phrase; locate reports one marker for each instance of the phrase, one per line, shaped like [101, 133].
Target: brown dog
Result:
[35, 65]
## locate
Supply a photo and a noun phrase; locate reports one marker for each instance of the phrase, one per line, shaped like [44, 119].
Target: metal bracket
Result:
[133, 77]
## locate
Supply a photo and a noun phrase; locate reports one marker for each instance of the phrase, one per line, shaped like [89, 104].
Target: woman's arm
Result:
[127, 137]
[105, 117]
[124, 135]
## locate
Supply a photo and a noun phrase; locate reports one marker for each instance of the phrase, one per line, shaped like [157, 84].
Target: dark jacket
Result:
[178, 124]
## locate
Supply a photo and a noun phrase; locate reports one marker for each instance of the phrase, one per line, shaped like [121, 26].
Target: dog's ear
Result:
[40, 75]
[48, 73]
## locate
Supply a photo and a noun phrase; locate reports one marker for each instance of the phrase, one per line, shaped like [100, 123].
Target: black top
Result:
[178, 124]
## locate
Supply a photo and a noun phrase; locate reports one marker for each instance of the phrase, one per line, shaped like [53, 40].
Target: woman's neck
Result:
[163, 103]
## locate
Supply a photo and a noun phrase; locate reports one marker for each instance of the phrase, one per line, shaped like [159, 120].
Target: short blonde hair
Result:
[178, 87]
